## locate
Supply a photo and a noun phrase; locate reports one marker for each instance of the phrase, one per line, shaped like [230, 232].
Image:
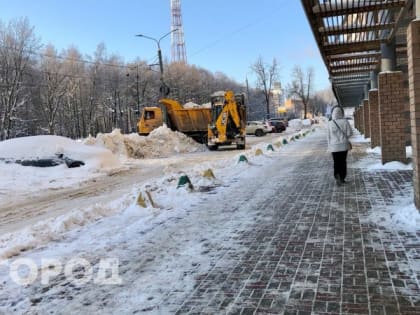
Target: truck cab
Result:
[151, 119]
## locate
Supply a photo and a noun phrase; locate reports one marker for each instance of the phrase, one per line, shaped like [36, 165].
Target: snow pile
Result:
[306, 122]
[358, 138]
[113, 141]
[390, 166]
[295, 124]
[161, 142]
[28, 178]
[164, 141]
[194, 105]
[372, 161]
[376, 150]
[409, 151]
[402, 215]
[43, 232]
[44, 147]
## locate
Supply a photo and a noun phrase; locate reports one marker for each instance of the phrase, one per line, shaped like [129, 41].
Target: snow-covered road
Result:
[159, 252]
[23, 209]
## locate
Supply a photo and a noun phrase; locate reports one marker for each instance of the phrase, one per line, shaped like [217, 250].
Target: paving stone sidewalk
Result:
[317, 252]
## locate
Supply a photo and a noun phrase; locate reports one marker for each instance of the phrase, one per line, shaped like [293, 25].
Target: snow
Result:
[49, 146]
[295, 124]
[165, 195]
[96, 152]
[358, 138]
[306, 122]
[11, 244]
[401, 214]
[372, 161]
[161, 142]
[104, 155]
[98, 161]
[119, 228]
[194, 105]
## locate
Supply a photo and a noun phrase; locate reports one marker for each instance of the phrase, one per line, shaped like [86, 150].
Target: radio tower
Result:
[177, 38]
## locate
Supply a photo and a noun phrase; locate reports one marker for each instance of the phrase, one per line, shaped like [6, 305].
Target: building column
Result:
[391, 107]
[356, 118]
[391, 110]
[413, 52]
[362, 119]
[388, 56]
[366, 120]
[373, 80]
[375, 139]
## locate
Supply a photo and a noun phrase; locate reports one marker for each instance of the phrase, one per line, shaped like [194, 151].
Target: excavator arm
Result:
[229, 126]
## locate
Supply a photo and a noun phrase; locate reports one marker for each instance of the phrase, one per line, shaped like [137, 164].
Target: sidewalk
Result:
[313, 249]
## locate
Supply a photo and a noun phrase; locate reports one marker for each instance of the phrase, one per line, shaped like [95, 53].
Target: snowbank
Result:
[42, 147]
[306, 122]
[102, 155]
[295, 124]
[161, 142]
[12, 244]
[402, 215]
[98, 161]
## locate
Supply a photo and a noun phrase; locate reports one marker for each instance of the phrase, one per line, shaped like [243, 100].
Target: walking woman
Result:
[339, 131]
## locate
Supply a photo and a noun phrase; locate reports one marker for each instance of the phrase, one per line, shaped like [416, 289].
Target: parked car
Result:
[278, 124]
[257, 128]
[269, 126]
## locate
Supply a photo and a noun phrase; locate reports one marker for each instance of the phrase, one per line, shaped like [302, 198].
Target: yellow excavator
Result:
[228, 120]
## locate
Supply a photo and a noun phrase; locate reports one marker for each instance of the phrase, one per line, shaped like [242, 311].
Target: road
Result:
[28, 208]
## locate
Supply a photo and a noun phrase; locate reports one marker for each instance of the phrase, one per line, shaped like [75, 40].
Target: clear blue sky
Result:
[220, 35]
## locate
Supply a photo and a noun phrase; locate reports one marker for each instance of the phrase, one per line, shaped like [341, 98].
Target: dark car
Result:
[279, 125]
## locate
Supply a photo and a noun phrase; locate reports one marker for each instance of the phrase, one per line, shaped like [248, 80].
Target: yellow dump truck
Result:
[191, 121]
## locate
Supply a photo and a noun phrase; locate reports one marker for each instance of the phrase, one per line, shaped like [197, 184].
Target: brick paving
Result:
[312, 250]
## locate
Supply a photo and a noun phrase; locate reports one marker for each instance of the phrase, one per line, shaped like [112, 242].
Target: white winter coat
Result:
[338, 140]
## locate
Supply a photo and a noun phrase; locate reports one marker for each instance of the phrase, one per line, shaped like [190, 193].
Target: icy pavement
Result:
[276, 236]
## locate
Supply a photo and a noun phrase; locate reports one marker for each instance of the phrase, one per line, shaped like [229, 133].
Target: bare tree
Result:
[301, 86]
[70, 94]
[267, 74]
[321, 100]
[17, 40]
[52, 87]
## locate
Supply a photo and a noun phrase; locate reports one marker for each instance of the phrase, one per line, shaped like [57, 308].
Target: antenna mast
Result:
[178, 51]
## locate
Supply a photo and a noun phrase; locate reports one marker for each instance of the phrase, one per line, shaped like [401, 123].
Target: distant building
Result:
[294, 108]
[276, 98]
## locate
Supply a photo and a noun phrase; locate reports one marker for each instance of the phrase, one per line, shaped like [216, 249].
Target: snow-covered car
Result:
[257, 128]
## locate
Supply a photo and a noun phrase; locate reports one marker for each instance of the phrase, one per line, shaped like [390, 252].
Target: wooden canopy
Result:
[349, 34]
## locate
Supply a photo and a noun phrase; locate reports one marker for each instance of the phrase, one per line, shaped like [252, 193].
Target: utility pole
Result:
[164, 89]
[138, 92]
[247, 96]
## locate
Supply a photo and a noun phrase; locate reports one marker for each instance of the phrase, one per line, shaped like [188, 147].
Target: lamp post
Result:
[164, 90]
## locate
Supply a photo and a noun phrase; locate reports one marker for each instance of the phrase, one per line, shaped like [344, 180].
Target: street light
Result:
[163, 89]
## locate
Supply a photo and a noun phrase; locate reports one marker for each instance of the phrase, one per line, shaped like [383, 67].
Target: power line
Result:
[127, 68]
[84, 61]
[234, 32]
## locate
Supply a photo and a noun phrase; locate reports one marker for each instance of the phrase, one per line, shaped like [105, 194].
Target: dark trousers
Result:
[340, 164]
